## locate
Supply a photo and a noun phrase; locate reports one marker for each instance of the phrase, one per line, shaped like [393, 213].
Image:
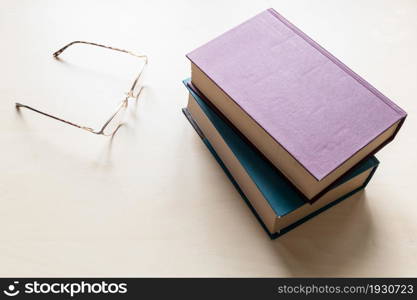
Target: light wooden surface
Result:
[152, 201]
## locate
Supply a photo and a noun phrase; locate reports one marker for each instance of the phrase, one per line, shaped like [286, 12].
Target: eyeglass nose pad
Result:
[129, 95]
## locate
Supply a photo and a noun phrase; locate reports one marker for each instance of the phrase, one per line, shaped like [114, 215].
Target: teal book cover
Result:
[280, 194]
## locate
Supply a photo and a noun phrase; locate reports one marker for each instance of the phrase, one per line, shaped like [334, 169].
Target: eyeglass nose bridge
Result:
[131, 94]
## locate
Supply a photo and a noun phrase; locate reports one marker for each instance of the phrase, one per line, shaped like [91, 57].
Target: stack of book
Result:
[294, 128]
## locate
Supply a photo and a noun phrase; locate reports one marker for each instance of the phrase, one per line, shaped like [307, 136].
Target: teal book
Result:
[275, 202]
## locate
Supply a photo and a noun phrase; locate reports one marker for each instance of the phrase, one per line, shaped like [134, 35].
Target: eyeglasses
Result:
[116, 119]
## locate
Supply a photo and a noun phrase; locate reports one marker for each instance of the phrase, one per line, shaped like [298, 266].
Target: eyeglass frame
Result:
[122, 104]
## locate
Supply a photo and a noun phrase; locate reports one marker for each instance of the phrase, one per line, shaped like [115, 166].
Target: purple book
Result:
[308, 113]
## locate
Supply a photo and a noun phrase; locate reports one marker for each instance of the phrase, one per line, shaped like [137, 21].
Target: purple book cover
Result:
[318, 109]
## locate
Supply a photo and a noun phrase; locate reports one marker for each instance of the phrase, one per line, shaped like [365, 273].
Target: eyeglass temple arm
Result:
[57, 53]
[19, 105]
[145, 57]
